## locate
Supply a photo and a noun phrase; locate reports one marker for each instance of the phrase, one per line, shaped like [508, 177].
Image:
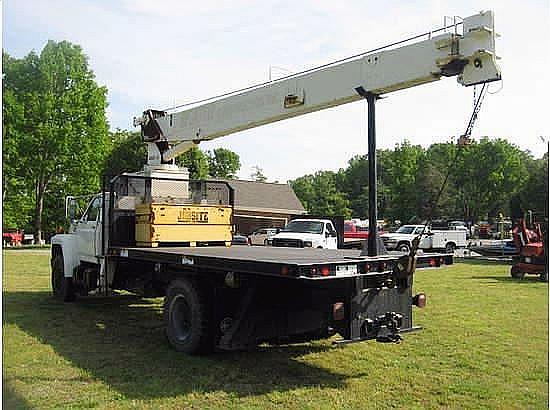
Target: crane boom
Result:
[470, 56]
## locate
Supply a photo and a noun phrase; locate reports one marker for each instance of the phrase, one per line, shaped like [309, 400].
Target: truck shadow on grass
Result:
[120, 341]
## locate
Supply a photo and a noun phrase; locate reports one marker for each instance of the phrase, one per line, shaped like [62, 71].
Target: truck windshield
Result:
[406, 229]
[304, 227]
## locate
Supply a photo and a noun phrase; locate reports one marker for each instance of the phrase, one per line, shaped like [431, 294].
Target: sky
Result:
[157, 54]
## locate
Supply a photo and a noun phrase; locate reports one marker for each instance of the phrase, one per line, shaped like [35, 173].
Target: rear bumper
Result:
[375, 313]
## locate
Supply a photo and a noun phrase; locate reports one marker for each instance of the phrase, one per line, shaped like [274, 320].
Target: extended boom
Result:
[470, 56]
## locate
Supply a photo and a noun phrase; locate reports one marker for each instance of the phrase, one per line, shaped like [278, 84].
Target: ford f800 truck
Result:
[157, 233]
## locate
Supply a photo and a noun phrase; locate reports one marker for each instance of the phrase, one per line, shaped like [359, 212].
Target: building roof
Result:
[266, 197]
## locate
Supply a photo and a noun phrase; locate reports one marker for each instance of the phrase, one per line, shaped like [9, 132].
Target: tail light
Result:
[325, 270]
[420, 300]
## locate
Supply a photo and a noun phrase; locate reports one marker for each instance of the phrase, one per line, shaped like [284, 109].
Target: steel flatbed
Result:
[273, 261]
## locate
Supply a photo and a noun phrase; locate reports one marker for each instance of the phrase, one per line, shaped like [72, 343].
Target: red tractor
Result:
[533, 251]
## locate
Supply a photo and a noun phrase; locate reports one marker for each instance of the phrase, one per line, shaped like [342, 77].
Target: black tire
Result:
[516, 273]
[62, 287]
[450, 247]
[404, 247]
[188, 318]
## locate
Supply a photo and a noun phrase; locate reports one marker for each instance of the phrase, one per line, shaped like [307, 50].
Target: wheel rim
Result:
[180, 318]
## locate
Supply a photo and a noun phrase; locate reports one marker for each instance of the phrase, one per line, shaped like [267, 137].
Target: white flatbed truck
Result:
[219, 297]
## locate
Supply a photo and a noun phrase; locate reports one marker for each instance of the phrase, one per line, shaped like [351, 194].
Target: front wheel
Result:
[62, 286]
[188, 318]
[404, 247]
[450, 247]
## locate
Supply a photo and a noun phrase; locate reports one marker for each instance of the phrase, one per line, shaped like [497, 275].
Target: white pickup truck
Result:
[307, 233]
[401, 239]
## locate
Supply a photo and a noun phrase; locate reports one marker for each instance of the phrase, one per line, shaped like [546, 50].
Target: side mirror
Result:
[334, 235]
[327, 234]
[71, 207]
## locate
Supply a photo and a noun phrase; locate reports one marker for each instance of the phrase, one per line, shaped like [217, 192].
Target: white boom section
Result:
[470, 56]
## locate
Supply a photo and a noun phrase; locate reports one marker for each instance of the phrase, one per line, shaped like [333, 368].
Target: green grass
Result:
[484, 345]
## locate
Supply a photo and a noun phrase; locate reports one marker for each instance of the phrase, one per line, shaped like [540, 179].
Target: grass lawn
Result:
[484, 345]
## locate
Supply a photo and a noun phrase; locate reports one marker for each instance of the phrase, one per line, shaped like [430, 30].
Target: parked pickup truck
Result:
[307, 233]
[401, 239]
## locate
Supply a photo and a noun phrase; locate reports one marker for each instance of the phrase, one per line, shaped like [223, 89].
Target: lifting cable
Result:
[463, 141]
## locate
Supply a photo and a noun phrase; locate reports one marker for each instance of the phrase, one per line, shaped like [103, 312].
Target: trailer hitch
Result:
[385, 328]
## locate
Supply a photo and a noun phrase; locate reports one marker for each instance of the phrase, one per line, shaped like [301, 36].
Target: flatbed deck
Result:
[259, 259]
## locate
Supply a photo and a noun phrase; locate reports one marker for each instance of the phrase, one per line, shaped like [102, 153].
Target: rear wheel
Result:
[62, 286]
[188, 318]
[516, 273]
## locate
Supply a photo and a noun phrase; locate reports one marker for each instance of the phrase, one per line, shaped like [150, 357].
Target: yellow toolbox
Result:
[183, 224]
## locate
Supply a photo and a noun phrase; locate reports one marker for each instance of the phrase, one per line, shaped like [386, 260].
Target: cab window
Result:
[330, 229]
[92, 212]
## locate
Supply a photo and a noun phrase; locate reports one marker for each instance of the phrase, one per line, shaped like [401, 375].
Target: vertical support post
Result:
[372, 245]
[372, 248]
[373, 206]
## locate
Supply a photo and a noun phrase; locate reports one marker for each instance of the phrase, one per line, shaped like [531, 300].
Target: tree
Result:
[489, 173]
[402, 171]
[533, 195]
[223, 163]
[129, 153]
[354, 182]
[320, 196]
[63, 141]
[17, 205]
[433, 168]
[196, 162]
[258, 174]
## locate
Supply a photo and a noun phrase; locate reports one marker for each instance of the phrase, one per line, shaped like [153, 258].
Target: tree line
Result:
[56, 142]
[56, 139]
[483, 179]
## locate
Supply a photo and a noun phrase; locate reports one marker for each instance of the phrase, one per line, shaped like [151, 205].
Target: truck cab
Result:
[307, 233]
[401, 240]
[77, 255]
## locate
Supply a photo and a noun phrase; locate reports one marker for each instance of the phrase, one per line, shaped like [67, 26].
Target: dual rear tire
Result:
[188, 318]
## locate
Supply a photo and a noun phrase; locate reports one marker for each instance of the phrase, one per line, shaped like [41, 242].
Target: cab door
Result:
[331, 237]
[88, 231]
